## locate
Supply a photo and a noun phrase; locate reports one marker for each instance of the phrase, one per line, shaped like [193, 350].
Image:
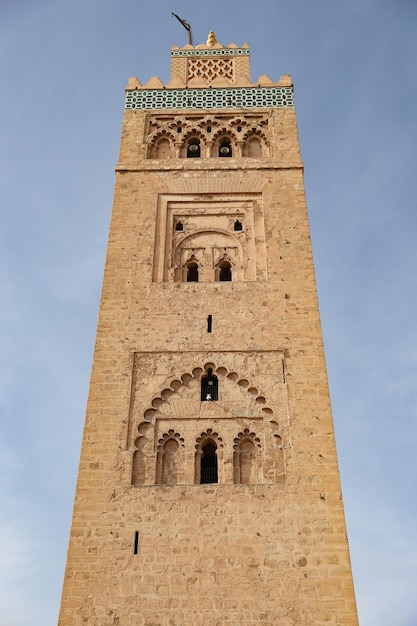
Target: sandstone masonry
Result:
[208, 490]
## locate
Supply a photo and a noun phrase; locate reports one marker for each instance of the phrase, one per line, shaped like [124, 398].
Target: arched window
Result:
[169, 459]
[208, 463]
[192, 273]
[225, 148]
[139, 466]
[193, 149]
[247, 462]
[246, 458]
[225, 271]
[207, 458]
[170, 463]
[253, 147]
[163, 149]
[209, 387]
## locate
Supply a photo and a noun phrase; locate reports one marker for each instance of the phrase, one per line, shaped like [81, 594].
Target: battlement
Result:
[201, 74]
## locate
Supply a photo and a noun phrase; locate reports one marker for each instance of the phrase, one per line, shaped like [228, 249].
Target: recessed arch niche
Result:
[172, 419]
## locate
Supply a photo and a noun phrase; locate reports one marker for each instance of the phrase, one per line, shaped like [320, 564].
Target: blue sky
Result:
[63, 69]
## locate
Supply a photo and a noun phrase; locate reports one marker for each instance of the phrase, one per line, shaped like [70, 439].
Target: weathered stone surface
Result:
[265, 544]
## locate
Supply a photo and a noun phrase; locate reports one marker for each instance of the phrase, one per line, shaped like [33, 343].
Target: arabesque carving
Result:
[209, 129]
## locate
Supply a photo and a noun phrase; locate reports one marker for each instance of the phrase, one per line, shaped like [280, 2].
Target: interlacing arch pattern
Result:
[197, 374]
[209, 130]
[165, 459]
[208, 69]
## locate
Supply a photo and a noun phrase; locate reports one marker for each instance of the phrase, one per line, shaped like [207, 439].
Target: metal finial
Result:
[186, 26]
[211, 40]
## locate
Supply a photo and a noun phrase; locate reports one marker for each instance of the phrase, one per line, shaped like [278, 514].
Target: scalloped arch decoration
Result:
[246, 465]
[255, 131]
[169, 458]
[224, 132]
[195, 374]
[208, 435]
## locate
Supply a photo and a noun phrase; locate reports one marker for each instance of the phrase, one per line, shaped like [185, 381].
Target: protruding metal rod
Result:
[186, 26]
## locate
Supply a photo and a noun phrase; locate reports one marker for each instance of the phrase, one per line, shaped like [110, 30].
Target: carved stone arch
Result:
[159, 132]
[142, 441]
[184, 240]
[163, 396]
[193, 257]
[224, 256]
[161, 138]
[210, 472]
[247, 461]
[193, 376]
[224, 131]
[188, 137]
[245, 384]
[162, 149]
[170, 459]
[190, 270]
[224, 268]
[238, 122]
[252, 147]
[207, 243]
[209, 391]
[178, 126]
[255, 143]
[222, 138]
[208, 124]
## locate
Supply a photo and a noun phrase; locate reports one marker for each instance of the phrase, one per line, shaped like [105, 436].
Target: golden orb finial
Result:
[211, 40]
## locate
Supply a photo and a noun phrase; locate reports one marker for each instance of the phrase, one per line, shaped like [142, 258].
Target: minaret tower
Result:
[208, 490]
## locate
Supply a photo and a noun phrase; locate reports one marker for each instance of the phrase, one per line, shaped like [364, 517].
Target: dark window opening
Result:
[179, 129]
[209, 323]
[225, 273]
[180, 226]
[239, 129]
[209, 387]
[208, 468]
[209, 129]
[192, 273]
[193, 149]
[237, 225]
[136, 543]
[225, 149]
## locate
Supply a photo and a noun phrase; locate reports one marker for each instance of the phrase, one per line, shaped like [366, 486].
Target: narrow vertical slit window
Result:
[136, 543]
[209, 323]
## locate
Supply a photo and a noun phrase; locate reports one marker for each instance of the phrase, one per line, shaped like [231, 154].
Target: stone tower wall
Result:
[266, 544]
